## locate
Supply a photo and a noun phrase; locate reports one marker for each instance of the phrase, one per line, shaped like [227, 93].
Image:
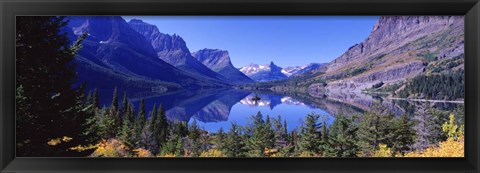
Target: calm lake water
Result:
[219, 108]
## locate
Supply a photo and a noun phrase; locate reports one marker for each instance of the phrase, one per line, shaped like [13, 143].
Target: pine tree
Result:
[125, 106]
[257, 142]
[280, 133]
[126, 132]
[194, 138]
[403, 135]
[113, 117]
[342, 138]
[310, 134]
[95, 99]
[46, 73]
[138, 125]
[234, 144]
[162, 126]
[374, 130]
[179, 151]
[220, 138]
[324, 136]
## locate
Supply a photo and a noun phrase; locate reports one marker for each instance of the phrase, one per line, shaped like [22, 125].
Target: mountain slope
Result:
[398, 48]
[263, 73]
[219, 61]
[112, 49]
[173, 50]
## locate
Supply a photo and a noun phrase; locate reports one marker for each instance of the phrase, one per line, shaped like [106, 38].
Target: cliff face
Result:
[173, 50]
[219, 61]
[399, 47]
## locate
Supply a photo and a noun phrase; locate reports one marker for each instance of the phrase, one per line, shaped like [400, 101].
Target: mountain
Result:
[219, 61]
[298, 70]
[397, 49]
[114, 55]
[173, 50]
[263, 73]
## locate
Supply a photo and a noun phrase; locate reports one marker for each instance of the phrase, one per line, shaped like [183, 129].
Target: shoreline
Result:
[425, 100]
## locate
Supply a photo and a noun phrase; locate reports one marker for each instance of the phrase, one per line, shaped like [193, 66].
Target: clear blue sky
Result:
[286, 40]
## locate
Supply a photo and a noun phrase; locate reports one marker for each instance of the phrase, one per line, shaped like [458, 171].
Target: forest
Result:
[58, 117]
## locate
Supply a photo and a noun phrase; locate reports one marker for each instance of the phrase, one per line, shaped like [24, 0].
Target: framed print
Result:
[254, 86]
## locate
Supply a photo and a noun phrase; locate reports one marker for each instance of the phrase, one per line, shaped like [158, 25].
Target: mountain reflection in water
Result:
[218, 108]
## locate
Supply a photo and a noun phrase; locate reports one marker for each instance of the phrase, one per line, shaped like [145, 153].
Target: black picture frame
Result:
[9, 9]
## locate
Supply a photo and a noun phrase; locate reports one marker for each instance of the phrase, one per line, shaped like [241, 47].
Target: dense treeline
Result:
[444, 86]
[264, 136]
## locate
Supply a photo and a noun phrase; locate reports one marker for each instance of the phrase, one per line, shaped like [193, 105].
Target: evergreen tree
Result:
[310, 134]
[342, 138]
[220, 138]
[113, 117]
[404, 135]
[162, 126]
[125, 107]
[374, 130]
[179, 151]
[324, 136]
[126, 132]
[95, 99]
[138, 125]
[258, 140]
[194, 138]
[280, 132]
[46, 73]
[234, 144]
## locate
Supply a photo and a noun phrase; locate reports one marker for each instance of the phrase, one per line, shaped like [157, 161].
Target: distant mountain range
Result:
[298, 70]
[263, 73]
[272, 72]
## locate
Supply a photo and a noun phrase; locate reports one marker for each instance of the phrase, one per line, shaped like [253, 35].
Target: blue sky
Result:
[286, 40]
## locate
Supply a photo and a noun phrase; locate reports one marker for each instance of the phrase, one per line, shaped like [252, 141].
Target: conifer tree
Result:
[46, 73]
[310, 134]
[374, 130]
[95, 99]
[342, 138]
[403, 135]
[126, 132]
[194, 138]
[125, 106]
[162, 126]
[234, 144]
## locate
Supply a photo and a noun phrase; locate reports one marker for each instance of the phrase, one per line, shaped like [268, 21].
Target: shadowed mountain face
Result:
[219, 61]
[173, 50]
[263, 73]
[113, 54]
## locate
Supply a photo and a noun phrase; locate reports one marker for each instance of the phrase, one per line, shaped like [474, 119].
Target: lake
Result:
[219, 108]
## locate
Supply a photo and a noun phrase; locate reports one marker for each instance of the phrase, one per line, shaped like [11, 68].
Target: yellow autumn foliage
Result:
[112, 148]
[449, 148]
[212, 153]
[56, 141]
[140, 152]
[383, 151]
[167, 155]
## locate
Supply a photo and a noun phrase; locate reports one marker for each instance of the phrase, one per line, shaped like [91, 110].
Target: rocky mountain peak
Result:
[213, 57]
[160, 41]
